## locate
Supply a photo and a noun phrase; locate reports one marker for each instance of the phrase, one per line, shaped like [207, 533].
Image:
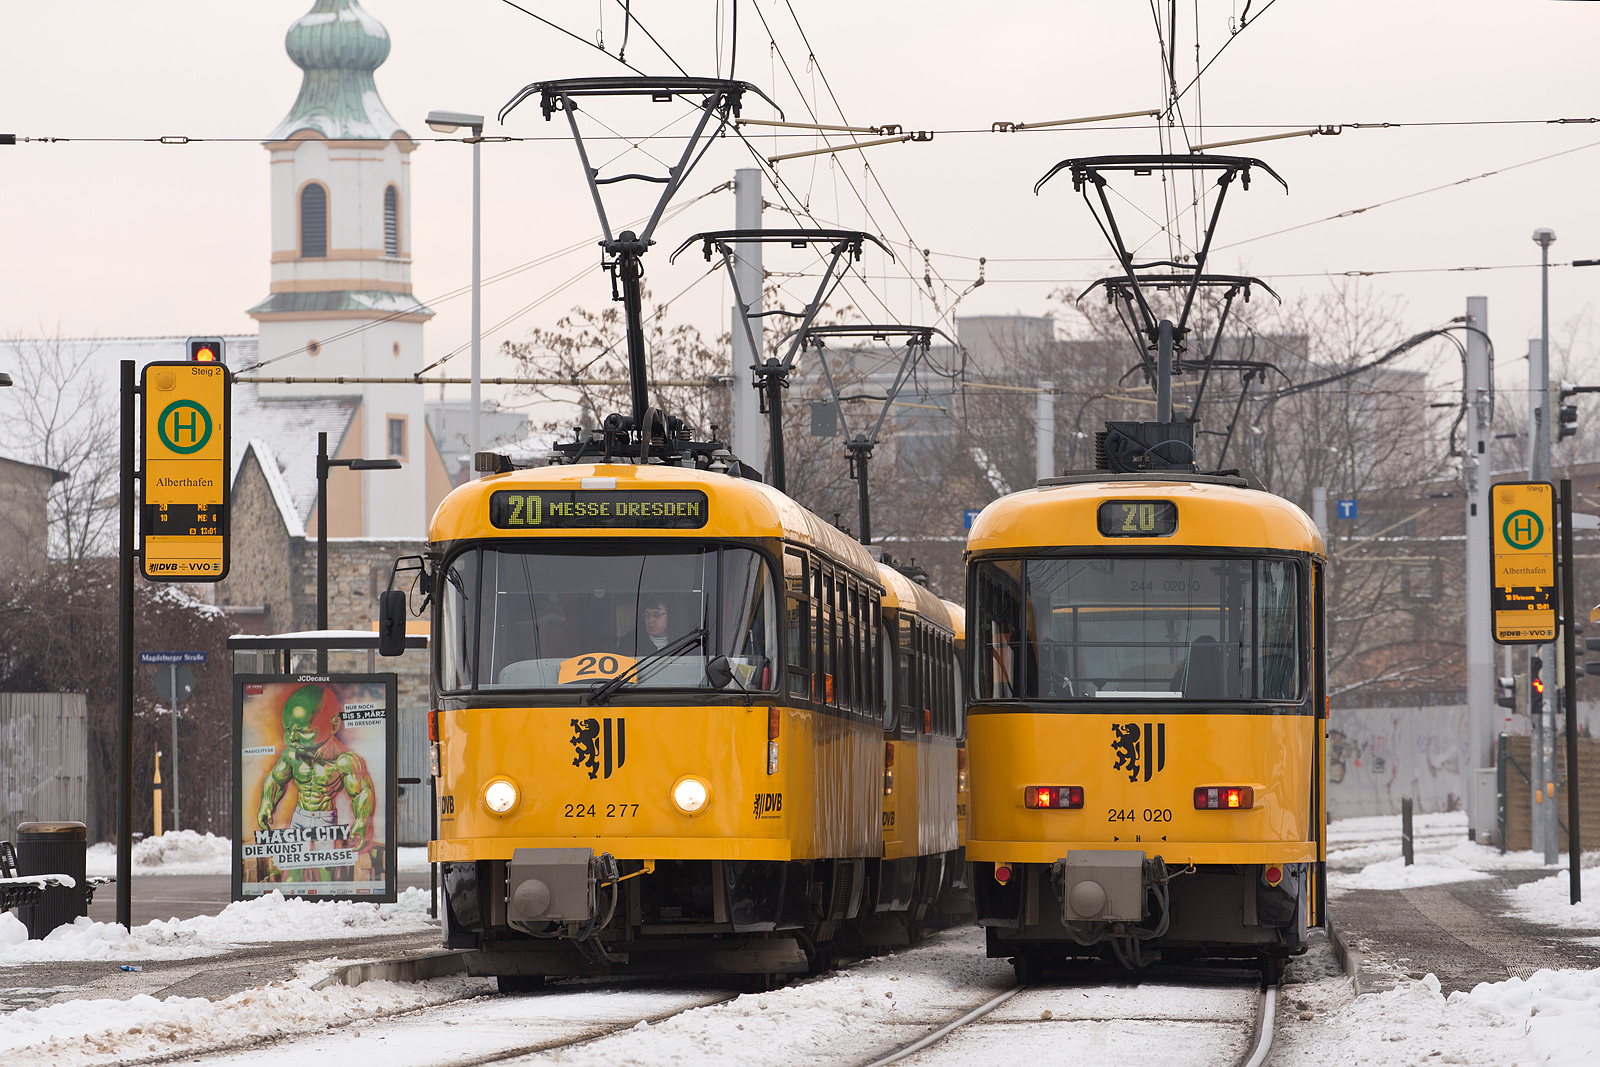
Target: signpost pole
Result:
[1569, 684]
[125, 661]
[172, 676]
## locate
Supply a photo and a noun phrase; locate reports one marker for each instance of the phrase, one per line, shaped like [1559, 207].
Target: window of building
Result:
[397, 435]
[391, 221]
[313, 221]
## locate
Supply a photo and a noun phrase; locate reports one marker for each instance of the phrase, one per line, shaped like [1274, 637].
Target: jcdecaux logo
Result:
[184, 426]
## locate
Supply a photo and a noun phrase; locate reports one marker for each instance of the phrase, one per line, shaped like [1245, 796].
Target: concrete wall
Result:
[1378, 755]
[44, 759]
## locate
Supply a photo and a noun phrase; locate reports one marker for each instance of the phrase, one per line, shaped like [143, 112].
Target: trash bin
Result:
[53, 848]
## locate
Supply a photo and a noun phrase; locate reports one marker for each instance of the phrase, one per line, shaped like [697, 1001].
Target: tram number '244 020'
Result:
[1134, 815]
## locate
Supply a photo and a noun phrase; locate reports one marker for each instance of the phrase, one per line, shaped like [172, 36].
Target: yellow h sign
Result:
[183, 483]
[1522, 524]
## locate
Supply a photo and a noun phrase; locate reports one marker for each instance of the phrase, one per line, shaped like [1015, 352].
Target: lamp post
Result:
[1544, 419]
[324, 464]
[450, 122]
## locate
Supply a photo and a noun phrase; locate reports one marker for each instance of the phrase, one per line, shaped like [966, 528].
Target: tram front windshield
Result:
[534, 616]
[1129, 628]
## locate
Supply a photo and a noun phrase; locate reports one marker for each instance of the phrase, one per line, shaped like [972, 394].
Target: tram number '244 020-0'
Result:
[1134, 815]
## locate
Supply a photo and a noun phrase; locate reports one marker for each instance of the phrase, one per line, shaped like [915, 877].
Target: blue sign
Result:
[1347, 508]
[172, 657]
[968, 516]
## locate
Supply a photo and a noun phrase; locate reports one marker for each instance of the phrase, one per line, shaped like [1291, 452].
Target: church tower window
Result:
[391, 221]
[313, 221]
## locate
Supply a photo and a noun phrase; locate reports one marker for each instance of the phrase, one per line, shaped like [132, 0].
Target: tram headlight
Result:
[691, 795]
[500, 796]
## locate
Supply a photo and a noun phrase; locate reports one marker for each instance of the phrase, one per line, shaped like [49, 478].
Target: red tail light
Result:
[1274, 875]
[927, 721]
[433, 726]
[1053, 796]
[888, 753]
[961, 759]
[773, 721]
[1224, 798]
[1002, 873]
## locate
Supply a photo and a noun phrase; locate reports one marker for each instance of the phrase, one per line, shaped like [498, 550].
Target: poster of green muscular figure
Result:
[315, 772]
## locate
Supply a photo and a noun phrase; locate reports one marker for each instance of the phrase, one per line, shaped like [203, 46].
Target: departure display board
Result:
[582, 509]
[1137, 518]
[1522, 526]
[184, 464]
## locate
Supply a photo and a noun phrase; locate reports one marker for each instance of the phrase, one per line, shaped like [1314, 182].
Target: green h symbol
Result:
[1523, 530]
[192, 426]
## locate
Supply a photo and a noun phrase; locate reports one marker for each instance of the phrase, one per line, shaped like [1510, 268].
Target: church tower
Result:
[341, 302]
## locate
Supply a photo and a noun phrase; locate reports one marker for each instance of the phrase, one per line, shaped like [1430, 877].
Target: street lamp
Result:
[324, 464]
[450, 122]
[5, 380]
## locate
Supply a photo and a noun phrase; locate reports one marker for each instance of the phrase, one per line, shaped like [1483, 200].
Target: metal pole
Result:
[1542, 746]
[1164, 372]
[172, 676]
[1569, 683]
[125, 667]
[322, 547]
[1552, 844]
[747, 444]
[1044, 463]
[477, 285]
[862, 453]
[631, 271]
[433, 835]
[1319, 510]
[1477, 476]
[1407, 840]
[776, 474]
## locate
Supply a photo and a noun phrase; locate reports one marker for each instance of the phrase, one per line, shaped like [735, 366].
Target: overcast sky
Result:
[120, 239]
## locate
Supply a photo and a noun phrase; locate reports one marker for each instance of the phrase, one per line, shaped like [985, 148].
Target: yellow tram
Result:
[1146, 726]
[659, 720]
[921, 848]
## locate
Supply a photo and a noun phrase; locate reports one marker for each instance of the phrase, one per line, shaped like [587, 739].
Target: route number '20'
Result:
[1137, 518]
[593, 667]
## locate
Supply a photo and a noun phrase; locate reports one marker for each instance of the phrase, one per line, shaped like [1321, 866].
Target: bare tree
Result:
[60, 414]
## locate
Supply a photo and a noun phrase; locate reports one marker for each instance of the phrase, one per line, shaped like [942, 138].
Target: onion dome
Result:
[338, 45]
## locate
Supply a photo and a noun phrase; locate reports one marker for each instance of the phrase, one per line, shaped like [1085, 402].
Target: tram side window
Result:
[819, 635]
[458, 591]
[1278, 627]
[875, 654]
[863, 665]
[997, 649]
[798, 606]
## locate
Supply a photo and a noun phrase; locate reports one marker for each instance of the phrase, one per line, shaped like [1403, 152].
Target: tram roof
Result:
[1209, 516]
[958, 618]
[902, 593]
[737, 507]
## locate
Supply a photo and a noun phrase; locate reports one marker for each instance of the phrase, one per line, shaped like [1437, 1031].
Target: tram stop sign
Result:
[1522, 528]
[184, 463]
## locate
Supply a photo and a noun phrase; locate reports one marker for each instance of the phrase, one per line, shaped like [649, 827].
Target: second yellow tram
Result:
[1146, 722]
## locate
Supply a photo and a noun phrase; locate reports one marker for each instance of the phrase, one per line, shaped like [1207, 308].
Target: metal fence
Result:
[44, 758]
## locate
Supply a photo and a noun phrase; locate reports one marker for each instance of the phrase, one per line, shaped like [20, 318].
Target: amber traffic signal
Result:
[205, 350]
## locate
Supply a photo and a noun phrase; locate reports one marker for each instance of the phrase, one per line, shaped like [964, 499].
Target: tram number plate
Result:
[581, 810]
[592, 667]
[1139, 815]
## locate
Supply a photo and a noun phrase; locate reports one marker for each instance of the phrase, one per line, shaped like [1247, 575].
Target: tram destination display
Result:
[315, 786]
[1523, 533]
[1137, 518]
[578, 509]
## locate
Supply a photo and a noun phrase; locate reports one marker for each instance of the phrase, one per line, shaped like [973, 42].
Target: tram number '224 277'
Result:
[1134, 815]
[592, 811]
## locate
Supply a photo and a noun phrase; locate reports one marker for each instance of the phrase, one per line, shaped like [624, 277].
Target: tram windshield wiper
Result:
[601, 691]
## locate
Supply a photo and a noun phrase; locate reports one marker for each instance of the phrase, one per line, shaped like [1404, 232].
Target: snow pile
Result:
[269, 918]
[110, 1031]
[175, 852]
[1548, 901]
[1429, 869]
[12, 931]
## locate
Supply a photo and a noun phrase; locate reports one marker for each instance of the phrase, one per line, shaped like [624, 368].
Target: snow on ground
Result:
[1429, 869]
[186, 852]
[175, 852]
[269, 918]
[110, 1031]
[1440, 846]
[1549, 901]
[1550, 1019]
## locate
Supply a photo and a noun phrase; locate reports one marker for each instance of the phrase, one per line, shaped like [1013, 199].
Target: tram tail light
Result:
[927, 721]
[1053, 796]
[1224, 798]
[433, 726]
[888, 768]
[961, 770]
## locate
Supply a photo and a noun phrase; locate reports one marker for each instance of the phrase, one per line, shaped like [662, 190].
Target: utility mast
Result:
[1477, 476]
[747, 329]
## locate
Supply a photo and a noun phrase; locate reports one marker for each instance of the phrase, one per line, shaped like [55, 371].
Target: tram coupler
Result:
[557, 889]
[1101, 885]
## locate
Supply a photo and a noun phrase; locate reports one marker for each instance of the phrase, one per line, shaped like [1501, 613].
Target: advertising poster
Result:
[314, 773]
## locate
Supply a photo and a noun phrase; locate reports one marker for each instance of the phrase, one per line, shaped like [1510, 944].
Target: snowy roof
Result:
[338, 45]
[276, 484]
[287, 427]
[342, 300]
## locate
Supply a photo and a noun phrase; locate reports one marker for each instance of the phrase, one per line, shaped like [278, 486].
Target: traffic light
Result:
[1568, 422]
[205, 350]
[1506, 686]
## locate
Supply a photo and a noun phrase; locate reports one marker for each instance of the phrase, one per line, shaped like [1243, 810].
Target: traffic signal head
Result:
[1568, 419]
[1508, 692]
[205, 350]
